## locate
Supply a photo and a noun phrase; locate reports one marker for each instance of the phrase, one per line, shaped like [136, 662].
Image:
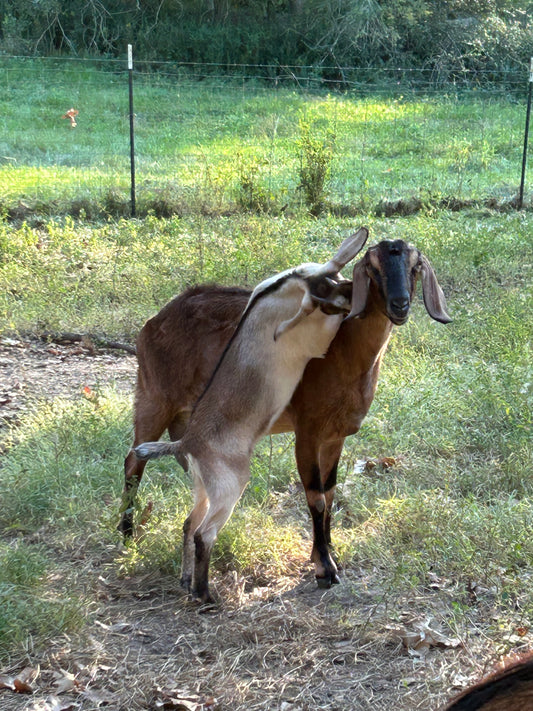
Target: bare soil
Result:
[34, 370]
[279, 644]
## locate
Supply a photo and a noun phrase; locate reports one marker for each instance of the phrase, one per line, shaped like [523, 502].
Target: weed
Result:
[316, 154]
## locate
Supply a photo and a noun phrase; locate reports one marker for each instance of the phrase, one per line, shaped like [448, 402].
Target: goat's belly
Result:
[283, 423]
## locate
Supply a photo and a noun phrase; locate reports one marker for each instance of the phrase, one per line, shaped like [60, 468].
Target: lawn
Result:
[434, 517]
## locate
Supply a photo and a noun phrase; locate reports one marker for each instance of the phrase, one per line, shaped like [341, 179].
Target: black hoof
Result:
[324, 583]
[126, 528]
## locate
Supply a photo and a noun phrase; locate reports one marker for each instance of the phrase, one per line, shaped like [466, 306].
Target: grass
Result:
[447, 524]
[220, 147]
[453, 410]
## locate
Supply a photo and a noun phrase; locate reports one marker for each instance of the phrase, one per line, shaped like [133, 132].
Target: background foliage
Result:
[443, 37]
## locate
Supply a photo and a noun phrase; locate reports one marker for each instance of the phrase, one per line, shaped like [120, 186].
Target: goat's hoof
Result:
[126, 528]
[325, 582]
[204, 602]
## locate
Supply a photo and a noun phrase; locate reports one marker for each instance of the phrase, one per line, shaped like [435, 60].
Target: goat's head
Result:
[321, 284]
[328, 288]
[392, 269]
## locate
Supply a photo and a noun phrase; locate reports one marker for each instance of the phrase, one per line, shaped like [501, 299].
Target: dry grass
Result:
[284, 645]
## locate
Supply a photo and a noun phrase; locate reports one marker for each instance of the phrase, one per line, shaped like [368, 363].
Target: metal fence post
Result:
[526, 136]
[132, 129]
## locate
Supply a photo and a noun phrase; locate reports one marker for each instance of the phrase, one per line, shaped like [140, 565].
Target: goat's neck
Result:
[366, 338]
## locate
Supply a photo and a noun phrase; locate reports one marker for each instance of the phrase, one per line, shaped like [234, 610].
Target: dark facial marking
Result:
[392, 260]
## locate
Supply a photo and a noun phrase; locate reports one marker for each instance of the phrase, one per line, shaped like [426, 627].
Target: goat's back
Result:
[178, 348]
[510, 689]
[257, 374]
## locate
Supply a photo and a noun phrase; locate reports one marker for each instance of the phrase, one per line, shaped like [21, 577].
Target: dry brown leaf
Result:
[22, 687]
[419, 641]
[181, 701]
[58, 705]
[99, 697]
[178, 704]
[387, 462]
[65, 681]
[21, 683]
[6, 682]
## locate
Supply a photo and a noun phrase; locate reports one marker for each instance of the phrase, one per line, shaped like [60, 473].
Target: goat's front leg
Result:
[329, 461]
[307, 459]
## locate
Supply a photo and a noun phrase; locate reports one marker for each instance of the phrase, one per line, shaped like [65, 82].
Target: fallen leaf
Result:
[22, 687]
[99, 697]
[6, 682]
[387, 462]
[420, 640]
[21, 683]
[58, 705]
[71, 114]
[182, 701]
[178, 704]
[65, 681]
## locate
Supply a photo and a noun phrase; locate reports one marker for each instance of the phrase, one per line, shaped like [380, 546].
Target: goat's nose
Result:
[400, 303]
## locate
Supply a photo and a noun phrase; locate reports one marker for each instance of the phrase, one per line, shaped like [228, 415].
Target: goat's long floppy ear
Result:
[307, 306]
[351, 246]
[434, 299]
[360, 286]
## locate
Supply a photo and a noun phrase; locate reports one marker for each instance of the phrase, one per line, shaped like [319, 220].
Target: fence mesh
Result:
[217, 134]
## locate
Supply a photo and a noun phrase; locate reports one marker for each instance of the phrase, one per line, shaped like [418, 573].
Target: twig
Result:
[68, 337]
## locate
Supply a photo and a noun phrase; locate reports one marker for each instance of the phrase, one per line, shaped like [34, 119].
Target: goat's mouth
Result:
[398, 319]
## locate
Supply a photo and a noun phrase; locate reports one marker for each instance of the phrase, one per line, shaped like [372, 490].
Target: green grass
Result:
[454, 403]
[199, 147]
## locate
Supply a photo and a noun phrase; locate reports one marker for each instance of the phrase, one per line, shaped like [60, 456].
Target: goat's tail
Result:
[154, 450]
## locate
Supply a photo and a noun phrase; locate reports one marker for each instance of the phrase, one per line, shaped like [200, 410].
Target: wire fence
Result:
[214, 136]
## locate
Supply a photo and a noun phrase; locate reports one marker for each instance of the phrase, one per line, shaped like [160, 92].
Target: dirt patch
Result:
[32, 370]
[287, 647]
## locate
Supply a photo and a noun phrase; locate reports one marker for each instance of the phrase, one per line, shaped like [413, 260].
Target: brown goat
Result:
[508, 689]
[289, 319]
[178, 349]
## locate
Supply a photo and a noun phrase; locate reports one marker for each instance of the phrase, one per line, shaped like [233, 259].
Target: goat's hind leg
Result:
[191, 525]
[223, 492]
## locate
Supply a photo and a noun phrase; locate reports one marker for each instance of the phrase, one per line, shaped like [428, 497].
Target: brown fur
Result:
[508, 689]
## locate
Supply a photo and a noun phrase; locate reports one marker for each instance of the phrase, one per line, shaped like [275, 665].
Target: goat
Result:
[178, 348]
[289, 319]
[508, 689]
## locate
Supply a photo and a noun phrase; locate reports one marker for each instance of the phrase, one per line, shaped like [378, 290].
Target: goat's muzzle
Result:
[398, 310]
